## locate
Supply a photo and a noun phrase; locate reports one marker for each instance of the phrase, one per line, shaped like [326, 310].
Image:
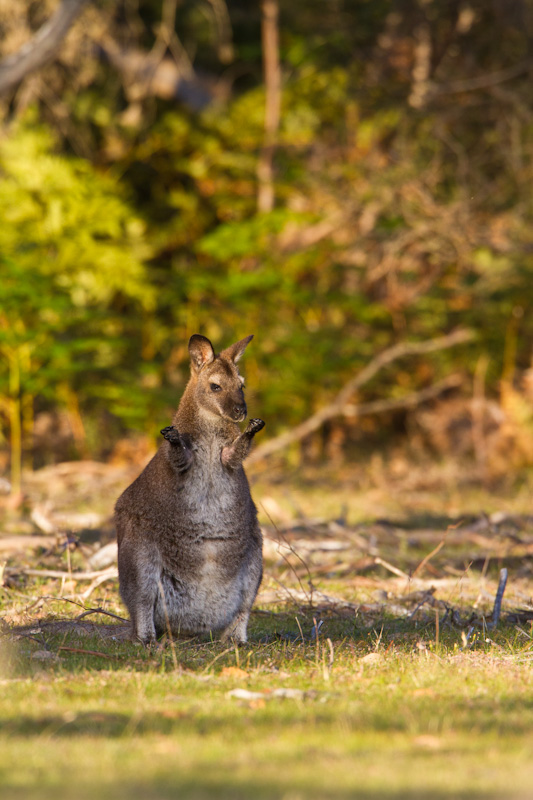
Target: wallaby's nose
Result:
[239, 411]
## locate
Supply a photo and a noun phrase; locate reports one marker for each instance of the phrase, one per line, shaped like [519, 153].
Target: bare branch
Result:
[483, 81]
[340, 405]
[41, 48]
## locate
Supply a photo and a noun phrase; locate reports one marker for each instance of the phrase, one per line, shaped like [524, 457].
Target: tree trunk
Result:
[272, 76]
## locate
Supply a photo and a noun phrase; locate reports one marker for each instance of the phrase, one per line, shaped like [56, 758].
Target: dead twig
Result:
[429, 556]
[100, 611]
[87, 652]
[391, 568]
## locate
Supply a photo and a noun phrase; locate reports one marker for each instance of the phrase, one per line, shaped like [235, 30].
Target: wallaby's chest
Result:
[211, 494]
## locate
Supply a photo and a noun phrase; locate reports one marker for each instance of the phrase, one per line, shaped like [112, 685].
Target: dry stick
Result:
[86, 652]
[95, 584]
[216, 658]
[391, 568]
[340, 405]
[100, 611]
[498, 599]
[110, 572]
[436, 549]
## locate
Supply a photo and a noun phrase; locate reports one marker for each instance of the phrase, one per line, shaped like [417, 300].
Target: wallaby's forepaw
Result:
[254, 426]
[171, 434]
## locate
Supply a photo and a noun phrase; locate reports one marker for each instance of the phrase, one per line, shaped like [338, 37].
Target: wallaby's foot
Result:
[172, 435]
[254, 426]
[142, 641]
[145, 641]
[237, 630]
[233, 637]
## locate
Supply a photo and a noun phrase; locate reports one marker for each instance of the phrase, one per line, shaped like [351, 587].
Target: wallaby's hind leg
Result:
[139, 577]
[237, 629]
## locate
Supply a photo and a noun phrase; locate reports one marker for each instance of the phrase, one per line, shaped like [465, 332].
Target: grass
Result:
[380, 713]
[378, 706]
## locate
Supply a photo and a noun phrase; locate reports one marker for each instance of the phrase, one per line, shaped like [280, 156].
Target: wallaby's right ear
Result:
[201, 352]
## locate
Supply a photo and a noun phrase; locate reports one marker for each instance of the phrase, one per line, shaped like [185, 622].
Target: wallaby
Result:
[189, 544]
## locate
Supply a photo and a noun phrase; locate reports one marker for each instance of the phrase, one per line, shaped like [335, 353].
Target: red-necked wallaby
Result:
[189, 544]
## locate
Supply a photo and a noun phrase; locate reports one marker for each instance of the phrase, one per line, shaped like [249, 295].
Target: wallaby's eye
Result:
[215, 387]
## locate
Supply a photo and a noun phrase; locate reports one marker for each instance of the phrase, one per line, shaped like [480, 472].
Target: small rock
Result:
[105, 556]
[44, 655]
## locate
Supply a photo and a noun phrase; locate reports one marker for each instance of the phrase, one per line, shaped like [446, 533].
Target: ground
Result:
[374, 667]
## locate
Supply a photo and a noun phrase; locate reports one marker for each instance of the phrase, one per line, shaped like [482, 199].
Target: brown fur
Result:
[189, 544]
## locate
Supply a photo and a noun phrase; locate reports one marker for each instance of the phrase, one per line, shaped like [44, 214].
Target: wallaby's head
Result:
[218, 387]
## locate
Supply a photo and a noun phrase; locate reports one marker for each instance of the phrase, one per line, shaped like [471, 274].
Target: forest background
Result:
[339, 178]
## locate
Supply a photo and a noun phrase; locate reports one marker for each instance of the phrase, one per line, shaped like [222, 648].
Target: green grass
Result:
[387, 712]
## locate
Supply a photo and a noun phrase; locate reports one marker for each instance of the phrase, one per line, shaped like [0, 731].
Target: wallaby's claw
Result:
[254, 426]
[171, 434]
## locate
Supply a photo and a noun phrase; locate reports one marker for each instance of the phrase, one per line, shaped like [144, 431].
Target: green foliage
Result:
[392, 220]
[72, 255]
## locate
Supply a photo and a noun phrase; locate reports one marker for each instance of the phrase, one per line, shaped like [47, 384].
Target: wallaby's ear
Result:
[201, 352]
[235, 351]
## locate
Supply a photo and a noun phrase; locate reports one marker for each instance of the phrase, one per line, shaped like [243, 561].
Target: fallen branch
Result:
[42, 47]
[111, 572]
[22, 542]
[341, 406]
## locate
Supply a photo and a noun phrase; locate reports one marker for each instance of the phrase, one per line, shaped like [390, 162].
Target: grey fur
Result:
[189, 544]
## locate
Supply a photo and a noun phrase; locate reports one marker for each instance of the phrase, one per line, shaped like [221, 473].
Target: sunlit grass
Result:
[390, 711]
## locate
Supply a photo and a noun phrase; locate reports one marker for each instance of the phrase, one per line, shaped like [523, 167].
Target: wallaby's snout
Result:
[239, 409]
[232, 403]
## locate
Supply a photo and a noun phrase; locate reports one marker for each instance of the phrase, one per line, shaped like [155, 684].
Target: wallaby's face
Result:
[219, 387]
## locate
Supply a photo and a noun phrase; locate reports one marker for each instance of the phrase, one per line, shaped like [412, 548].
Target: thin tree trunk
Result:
[272, 77]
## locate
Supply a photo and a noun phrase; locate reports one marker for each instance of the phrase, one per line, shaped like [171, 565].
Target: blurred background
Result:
[339, 178]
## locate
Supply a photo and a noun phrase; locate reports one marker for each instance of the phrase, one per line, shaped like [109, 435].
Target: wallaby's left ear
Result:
[235, 351]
